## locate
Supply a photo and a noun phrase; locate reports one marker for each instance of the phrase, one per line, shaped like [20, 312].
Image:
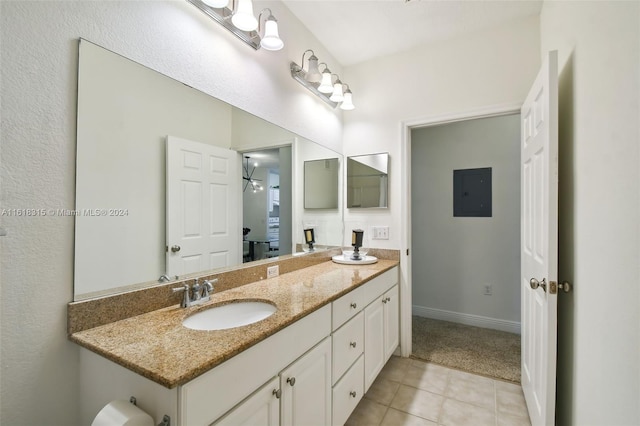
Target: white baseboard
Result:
[467, 319]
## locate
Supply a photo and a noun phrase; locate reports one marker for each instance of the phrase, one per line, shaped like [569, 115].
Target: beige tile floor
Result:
[414, 393]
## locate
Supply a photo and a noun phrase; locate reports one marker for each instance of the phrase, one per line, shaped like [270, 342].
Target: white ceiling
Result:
[355, 31]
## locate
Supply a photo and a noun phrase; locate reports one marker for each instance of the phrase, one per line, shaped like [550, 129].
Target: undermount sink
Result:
[231, 315]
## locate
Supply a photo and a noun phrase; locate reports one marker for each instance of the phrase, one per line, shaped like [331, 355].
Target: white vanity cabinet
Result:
[381, 333]
[300, 395]
[306, 388]
[261, 408]
[313, 372]
[207, 397]
[365, 333]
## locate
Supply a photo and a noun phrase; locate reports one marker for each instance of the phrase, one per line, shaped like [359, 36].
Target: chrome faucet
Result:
[197, 294]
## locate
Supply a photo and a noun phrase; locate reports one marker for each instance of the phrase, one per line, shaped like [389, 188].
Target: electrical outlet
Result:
[488, 290]
[273, 271]
[380, 232]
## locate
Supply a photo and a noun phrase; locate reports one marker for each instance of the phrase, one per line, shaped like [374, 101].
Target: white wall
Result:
[491, 67]
[38, 90]
[455, 257]
[598, 47]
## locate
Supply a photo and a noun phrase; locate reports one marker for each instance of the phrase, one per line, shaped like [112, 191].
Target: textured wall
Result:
[598, 47]
[39, 382]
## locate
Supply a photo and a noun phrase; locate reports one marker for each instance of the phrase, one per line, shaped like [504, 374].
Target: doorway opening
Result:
[465, 309]
[265, 204]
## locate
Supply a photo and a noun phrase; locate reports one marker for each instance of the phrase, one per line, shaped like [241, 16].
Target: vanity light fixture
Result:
[322, 83]
[271, 39]
[248, 177]
[237, 16]
[326, 83]
[243, 18]
[347, 102]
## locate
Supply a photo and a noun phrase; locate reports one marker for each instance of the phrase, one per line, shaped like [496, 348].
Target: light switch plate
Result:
[380, 232]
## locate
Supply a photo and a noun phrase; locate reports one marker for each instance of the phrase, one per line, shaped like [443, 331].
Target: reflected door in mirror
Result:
[202, 197]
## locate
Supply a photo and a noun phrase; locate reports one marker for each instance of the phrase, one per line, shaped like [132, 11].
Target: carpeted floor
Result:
[476, 350]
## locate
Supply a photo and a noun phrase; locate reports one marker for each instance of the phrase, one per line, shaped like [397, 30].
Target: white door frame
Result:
[406, 302]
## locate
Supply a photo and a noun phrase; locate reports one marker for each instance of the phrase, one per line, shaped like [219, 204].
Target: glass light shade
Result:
[337, 95]
[218, 4]
[326, 85]
[271, 39]
[347, 102]
[243, 18]
[313, 75]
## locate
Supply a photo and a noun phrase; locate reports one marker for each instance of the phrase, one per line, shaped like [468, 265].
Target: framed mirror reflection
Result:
[368, 181]
[128, 115]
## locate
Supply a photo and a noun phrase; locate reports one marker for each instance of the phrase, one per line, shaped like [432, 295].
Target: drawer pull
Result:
[354, 305]
[353, 393]
[291, 381]
[352, 344]
[277, 393]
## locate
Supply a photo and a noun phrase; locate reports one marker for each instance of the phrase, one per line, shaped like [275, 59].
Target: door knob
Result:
[534, 283]
[175, 248]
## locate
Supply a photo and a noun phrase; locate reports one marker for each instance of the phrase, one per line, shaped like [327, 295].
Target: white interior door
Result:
[203, 190]
[539, 242]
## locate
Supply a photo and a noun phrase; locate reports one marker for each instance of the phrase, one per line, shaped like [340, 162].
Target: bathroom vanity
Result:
[309, 363]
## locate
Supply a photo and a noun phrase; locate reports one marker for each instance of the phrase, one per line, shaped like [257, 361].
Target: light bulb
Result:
[243, 18]
[218, 4]
[271, 39]
[313, 75]
[337, 95]
[347, 102]
[326, 85]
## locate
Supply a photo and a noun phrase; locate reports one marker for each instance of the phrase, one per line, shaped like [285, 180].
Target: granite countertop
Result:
[157, 346]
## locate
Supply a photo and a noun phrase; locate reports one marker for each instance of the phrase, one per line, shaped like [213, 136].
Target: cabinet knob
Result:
[384, 300]
[354, 305]
[352, 344]
[388, 299]
[277, 393]
[353, 393]
[291, 381]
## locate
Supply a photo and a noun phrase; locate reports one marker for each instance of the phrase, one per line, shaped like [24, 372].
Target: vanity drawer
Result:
[347, 306]
[348, 344]
[348, 392]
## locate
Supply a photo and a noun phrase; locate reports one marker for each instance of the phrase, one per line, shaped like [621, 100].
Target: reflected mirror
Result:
[321, 183]
[368, 181]
[130, 118]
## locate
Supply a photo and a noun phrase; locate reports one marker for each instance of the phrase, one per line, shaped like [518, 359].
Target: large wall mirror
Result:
[368, 181]
[136, 127]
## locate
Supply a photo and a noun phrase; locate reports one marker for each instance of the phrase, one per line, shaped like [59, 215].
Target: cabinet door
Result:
[373, 341]
[306, 388]
[261, 408]
[391, 322]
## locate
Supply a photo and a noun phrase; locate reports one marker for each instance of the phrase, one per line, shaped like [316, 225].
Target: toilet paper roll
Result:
[122, 413]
